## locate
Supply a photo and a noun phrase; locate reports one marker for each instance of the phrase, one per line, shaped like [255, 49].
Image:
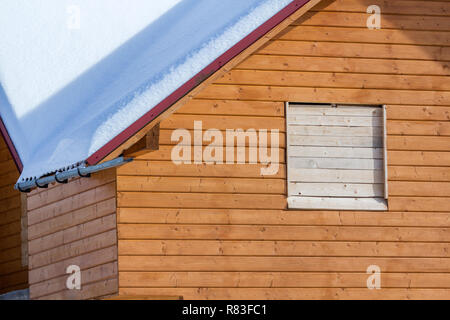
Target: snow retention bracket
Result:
[63, 177]
[196, 80]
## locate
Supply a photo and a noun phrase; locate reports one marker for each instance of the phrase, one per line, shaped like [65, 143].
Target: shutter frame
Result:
[356, 178]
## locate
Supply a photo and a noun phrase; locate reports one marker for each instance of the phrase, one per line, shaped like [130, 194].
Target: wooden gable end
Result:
[13, 245]
[223, 231]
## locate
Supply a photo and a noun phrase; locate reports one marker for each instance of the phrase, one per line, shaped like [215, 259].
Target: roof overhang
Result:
[288, 14]
[184, 93]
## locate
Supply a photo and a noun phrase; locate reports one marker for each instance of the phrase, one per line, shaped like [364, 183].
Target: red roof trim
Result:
[196, 80]
[10, 145]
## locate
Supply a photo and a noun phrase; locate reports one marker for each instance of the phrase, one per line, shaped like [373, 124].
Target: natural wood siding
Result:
[73, 224]
[223, 231]
[13, 270]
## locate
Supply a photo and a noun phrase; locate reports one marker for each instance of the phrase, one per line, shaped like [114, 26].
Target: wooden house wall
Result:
[13, 270]
[223, 231]
[73, 224]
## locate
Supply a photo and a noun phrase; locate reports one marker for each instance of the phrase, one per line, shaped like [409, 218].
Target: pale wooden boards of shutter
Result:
[336, 157]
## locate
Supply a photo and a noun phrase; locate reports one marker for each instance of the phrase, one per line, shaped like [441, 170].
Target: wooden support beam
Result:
[148, 143]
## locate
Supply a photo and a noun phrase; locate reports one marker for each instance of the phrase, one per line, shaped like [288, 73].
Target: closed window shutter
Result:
[336, 157]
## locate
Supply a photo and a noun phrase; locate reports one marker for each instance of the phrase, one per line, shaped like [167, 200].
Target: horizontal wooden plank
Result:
[328, 141]
[334, 120]
[299, 264]
[66, 251]
[7, 242]
[14, 281]
[404, 7]
[165, 153]
[417, 113]
[419, 204]
[336, 152]
[359, 19]
[10, 216]
[279, 233]
[9, 204]
[292, 293]
[281, 248]
[71, 219]
[168, 168]
[321, 110]
[334, 80]
[186, 121]
[331, 175]
[91, 275]
[421, 189]
[335, 131]
[10, 254]
[90, 291]
[335, 189]
[419, 143]
[9, 179]
[282, 217]
[432, 128]
[356, 50]
[73, 203]
[335, 163]
[414, 173]
[346, 65]
[209, 185]
[10, 266]
[324, 95]
[72, 234]
[315, 203]
[7, 167]
[165, 139]
[226, 107]
[200, 200]
[8, 192]
[10, 228]
[85, 261]
[278, 280]
[363, 34]
[419, 158]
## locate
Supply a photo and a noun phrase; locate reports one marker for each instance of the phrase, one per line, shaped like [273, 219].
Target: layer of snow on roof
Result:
[75, 73]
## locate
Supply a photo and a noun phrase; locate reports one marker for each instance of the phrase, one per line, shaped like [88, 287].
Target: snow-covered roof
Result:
[76, 73]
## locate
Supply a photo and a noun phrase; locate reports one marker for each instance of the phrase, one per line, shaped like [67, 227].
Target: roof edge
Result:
[10, 145]
[213, 67]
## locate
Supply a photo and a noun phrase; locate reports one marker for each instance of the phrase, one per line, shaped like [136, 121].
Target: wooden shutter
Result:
[336, 157]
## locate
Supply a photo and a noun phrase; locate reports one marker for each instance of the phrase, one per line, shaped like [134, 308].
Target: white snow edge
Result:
[178, 75]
